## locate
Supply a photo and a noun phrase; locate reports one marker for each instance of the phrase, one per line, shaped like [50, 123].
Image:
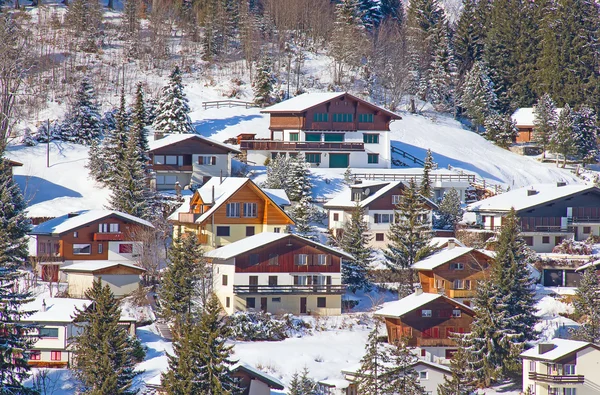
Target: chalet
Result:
[87, 235]
[524, 120]
[188, 159]
[123, 278]
[378, 200]
[278, 273]
[565, 367]
[548, 213]
[454, 272]
[225, 210]
[428, 321]
[333, 129]
[253, 381]
[55, 332]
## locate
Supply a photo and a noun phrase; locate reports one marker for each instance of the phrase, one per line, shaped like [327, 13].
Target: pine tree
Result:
[460, 381]
[348, 38]
[298, 183]
[470, 34]
[544, 122]
[103, 361]
[14, 337]
[426, 189]
[400, 376]
[355, 241]
[278, 173]
[302, 384]
[477, 97]
[585, 129]
[295, 386]
[443, 71]
[83, 117]
[96, 162]
[501, 129]
[562, 141]
[303, 214]
[138, 126]
[587, 307]
[263, 83]
[450, 211]
[172, 114]
[392, 10]
[370, 380]
[183, 279]
[371, 13]
[114, 147]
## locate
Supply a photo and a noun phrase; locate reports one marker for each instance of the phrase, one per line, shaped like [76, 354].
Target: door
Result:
[339, 161]
[253, 282]
[302, 305]
[263, 304]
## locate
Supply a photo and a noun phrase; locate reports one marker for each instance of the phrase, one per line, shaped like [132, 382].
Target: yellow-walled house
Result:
[225, 210]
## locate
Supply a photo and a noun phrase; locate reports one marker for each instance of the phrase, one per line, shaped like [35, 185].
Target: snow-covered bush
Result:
[28, 138]
[253, 326]
[570, 246]
[41, 134]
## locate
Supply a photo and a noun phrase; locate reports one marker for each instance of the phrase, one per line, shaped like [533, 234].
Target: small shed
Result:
[254, 381]
[122, 277]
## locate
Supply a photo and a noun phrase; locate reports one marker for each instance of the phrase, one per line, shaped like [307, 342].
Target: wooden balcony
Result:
[366, 126]
[556, 379]
[459, 293]
[289, 289]
[270, 145]
[172, 167]
[116, 236]
[332, 126]
[188, 218]
[543, 224]
[433, 342]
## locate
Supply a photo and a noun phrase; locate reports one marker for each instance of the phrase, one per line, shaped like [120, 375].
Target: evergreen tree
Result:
[96, 162]
[84, 17]
[501, 129]
[103, 361]
[426, 190]
[302, 384]
[563, 141]
[14, 337]
[585, 129]
[172, 114]
[295, 387]
[470, 34]
[83, 118]
[544, 122]
[303, 214]
[392, 10]
[182, 284]
[370, 380]
[371, 13]
[348, 38]
[138, 129]
[278, 173]
[114, 147]
[460, 381]
[400, 376]
[443, 73]
[450, 211]
[263, 83]
[477, 97]
[298, 183]
[587, 307]
[355, 241]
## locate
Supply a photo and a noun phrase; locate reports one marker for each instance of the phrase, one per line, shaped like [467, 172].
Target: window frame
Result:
[232, 210]
[371, 138]
[41, 334]
[77, 250]
[54, 354]
[158, 160]
[224, 280]
[372, 159]
[321, 302]
[322, 259]
[252, 208]
[426, 313]
[456, 313]
[223, 231]
[313, 157]
[273, 260]
[100, 248]
[253, 303]
[125, 248]
[301, 259]
[35, 355]
[379, 237]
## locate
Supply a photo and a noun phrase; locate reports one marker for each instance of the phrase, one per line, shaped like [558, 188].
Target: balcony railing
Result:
[269, 145]
[289, 289]
[188, 218]
[433, 342]
[113, 236]
[156, 167]
[202, 238]
[556, 379]
[332, 126]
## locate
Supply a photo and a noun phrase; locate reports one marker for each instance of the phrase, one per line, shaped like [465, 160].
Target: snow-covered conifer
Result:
[172, 113]
[563, 141]
[426, 189]
[450, 211]
[138, 126]
[83, 117]
[443, 73]
[303, 214]
[263, 83]
[400, 375]
[460, 380]
[587, 307]
[544, 121]
[298, 179]
[585, 129]
[355, 241]
[373, 364]
[278, 173]
[371, 13]
[477, 95]
[501, 129]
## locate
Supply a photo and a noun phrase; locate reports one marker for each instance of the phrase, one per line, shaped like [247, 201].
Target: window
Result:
[312, 137]
[468, 284]
[379, 237]
[569, 391]
[587, 229]
[249, 231]
[250, 303]
[422, 375]
[456, 313]
[320, 117]
[224, 280]
[42, 248]
[365, 117]
[294, 136]
[277, 230]
[233, 210]
[336, 216]
[82, 249]
[159, 159]
[49, 332]
[114, 228]
[276, 300]
[313, 158]
[125, 248]
[223, 231]
[343, 117]
[372, 158]
[435, 332]
[457, 266]
[569, 370]
[322, 259]
[55, 356]
[250, 210]
[449, 353]
[423, 352]
[321, 302]
[532, 366]
[272, 281]
[528, 240]
[546, 239]
[75, 235]
[371, 138]
[100, 248]
[395, 199]
[301, 259]
[171, 159]
[227, 301]
[459, 284]
[440, 284]
[383, 218]
[425, 313]
[273, 260]
[207, 160]
[253, 259]
[35, 355]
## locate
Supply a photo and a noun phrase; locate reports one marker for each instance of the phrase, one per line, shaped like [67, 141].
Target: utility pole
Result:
[48, 143]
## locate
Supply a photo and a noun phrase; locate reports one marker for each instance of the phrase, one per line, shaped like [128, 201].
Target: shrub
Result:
[254, 326]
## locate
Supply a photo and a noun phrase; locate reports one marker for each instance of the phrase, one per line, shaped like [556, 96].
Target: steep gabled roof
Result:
[57, 309]
[179, 137]
[524, 116]
[271, 381]
[562, 347]
[444, 256]
[77, 219]
[412, 302]
[96, 266]
[306, 101]
[262, 239]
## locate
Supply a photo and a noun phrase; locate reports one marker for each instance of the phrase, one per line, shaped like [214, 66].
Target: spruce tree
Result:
[303, 214]
[469, 35]
[450, 211]
[370, 380]
[302, 384]
[83, 118]
[348, 38]
[371, 14]
[172, 113]
[114, 147]
[278, 173]
[544, 122]
[400, 376]
[477, 96]
[298, 183]
[460, 381]
[14, 337]
[585, 130]
[355, 241]
[103, 352]
[563, 140]
[426, 189]
[263, 83]
[392, 10]
[138, 126]
[443, 73]
[587, 307]
[501, 129]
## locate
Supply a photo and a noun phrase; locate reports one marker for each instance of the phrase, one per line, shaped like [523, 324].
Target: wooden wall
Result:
[192, 146]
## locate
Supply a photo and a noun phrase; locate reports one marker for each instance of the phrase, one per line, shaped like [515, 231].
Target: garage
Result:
[339, 161]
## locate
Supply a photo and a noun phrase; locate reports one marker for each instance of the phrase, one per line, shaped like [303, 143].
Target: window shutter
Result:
[467, 284]
[376, 216]
[309, 259]
[329, 260]
[200, 161]
[296, 260]
[213, 160]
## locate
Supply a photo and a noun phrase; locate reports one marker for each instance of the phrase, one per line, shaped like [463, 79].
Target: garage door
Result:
[553, 278]
[339, 161]
[572, 278]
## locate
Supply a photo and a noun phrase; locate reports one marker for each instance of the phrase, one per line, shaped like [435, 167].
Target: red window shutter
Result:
[427, 333]
[200, 160]
[436, 332]
[213, 160]
[449, 331]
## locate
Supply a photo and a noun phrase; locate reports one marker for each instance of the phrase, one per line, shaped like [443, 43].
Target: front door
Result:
[339, 161]
[253, 280]
[302, 305]
[263, 304]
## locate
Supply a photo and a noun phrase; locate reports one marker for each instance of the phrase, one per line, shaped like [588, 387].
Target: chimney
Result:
[418, 290]
[561, 183]
[73, 214]
[451, 244]
[531, 192]
[213, 194]
[158, 135]
[221, 177]
[44, 305]
[545, 347]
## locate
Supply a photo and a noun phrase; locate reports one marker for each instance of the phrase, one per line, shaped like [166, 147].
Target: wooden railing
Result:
[434, 342]
[202, 238]
[188, 218]
[406, 155]
[117, 236]
[156, 167]
[227, 103]
[289, 289]
[270, 145]
[416, 176]
[557, 379]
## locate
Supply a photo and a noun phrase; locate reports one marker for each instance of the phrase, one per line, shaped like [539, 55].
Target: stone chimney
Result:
[451, 244]
[158, 135]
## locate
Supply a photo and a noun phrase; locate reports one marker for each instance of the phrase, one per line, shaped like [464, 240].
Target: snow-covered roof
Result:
[562, 347]
[93, 266]
[444, 256]
[179, 137]
[335, 383]
[524, 116]
[81, 218]
[266, 378]
[522, 199]
[441, 241]
[353, 370]
[412, 302]
[302, 102]
[57, 309]
[278, 196]
[344, 198]
[249, 243]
